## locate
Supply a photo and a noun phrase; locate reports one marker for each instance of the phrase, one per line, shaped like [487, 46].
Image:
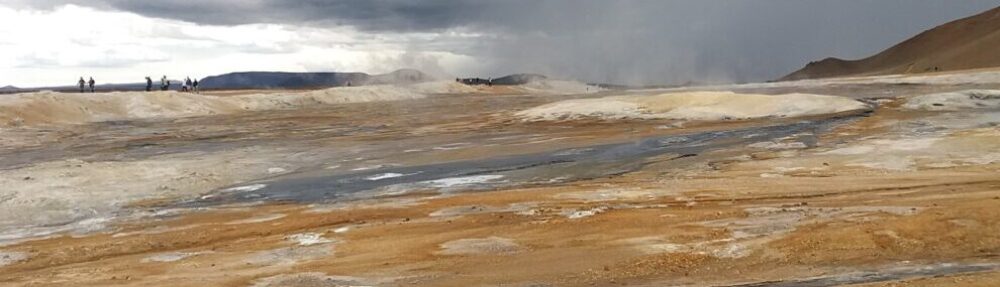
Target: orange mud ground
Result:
[722, 218]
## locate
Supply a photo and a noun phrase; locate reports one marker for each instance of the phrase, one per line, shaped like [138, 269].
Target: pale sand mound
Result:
[317, 279]
[706, 106]
[78, 196]
[443, 87]
[553, 87]
[51, 107]
[340, 95]
[558, 87]
[63, 108]
[953, 101]
[472, 246]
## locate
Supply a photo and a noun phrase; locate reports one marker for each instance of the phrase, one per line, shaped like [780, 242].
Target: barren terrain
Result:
[441, 185]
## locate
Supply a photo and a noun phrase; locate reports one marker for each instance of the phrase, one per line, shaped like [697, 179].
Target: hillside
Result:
[284, 80]
[518, 79]
[967, 43]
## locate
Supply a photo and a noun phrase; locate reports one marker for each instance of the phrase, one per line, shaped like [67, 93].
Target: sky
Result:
[54, 42]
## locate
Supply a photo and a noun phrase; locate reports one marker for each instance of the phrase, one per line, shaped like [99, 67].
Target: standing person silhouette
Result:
[194, 86]
[91, 83]
[164, 84]
[81, 83]
[149, 84]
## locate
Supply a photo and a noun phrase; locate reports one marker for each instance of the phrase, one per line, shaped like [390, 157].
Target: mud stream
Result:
[887, 274]
[562, 165]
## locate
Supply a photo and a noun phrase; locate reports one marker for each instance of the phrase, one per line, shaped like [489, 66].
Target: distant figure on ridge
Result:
[81, 83]
[149, 84]
[187, 85]
[164, 84]
[91, 83]
[194, 86]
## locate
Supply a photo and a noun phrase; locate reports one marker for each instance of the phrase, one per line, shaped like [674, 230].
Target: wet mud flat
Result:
[888, 274]
[579, 163]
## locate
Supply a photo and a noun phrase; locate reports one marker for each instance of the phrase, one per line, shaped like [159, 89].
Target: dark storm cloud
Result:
[610, 41]
[370, 15]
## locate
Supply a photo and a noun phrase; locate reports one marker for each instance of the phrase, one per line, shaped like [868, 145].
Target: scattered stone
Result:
[576, 214]
[471, 246]
[307, 239]
[290, 255]
[170, 256]
[317, 279]
[11, 257]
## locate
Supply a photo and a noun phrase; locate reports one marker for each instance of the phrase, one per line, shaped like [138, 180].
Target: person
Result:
[194, 85]
[91, 82]
[149, 84]
[187, 85]
[82, 83]
[164, 83]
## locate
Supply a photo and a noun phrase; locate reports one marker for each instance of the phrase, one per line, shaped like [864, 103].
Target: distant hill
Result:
[968, 43]
[518, 79]
[9, 89]
[260, 80]
[284, 80]
[509, 80]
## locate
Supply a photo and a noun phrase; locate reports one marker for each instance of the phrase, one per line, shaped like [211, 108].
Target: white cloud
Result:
[44, 48]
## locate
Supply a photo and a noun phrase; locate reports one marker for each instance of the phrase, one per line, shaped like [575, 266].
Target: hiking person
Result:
[187, 85]
[149, 84]
[81, 83]
[91, 83]
[164, 84]
[194, 86]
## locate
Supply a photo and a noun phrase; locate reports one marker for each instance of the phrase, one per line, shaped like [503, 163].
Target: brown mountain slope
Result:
[968, 43]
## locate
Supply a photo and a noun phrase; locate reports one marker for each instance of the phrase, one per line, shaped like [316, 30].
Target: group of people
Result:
[83, 84]
[190, 86]
[475, 81]
[187, 86]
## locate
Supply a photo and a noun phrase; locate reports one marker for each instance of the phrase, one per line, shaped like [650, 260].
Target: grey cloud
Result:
[628, 41]
[369, 15]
